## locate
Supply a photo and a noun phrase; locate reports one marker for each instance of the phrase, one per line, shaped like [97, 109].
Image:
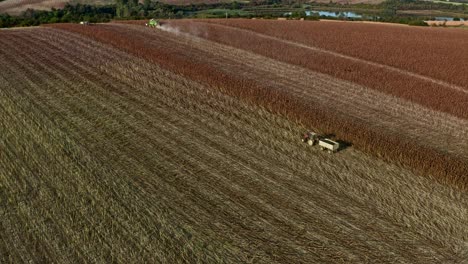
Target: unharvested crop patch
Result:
[109, 157]
[433, 76]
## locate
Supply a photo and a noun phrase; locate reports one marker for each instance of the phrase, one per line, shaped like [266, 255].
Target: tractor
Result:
[310, 138]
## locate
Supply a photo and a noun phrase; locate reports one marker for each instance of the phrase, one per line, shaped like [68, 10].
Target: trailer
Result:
[329, 145]
[311, 138]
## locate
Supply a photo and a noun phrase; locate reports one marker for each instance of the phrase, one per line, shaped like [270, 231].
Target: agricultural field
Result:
[121, 143]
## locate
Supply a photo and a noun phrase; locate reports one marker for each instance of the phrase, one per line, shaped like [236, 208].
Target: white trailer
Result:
[329, 145]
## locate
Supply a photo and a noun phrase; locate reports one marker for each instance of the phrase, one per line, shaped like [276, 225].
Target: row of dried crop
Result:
[426, 160]
[435, 52]
[425, 92]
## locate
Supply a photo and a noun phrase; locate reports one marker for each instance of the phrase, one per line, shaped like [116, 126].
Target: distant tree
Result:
[66, 18]
[390, 8]
[235, 5]
[53, 20]
[121, 8]
[179, 14]
[29, 13]
[146, 5]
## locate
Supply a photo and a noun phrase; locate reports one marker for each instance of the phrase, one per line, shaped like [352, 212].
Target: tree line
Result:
[133, 9]
[121, 9]
[70, 13]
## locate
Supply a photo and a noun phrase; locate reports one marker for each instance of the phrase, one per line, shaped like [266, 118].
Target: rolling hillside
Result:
[15, 7]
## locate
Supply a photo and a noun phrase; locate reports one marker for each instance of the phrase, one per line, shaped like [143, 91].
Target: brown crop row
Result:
[432, 93]
[425, 159]
[435, 52]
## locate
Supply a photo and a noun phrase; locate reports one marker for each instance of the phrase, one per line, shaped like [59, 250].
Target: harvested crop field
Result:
[15, 7]
[126, 144]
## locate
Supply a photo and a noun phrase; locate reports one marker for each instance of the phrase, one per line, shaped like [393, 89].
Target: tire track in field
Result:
[351, 58]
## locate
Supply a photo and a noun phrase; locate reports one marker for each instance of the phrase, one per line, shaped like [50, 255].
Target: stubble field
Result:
[126, 144]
